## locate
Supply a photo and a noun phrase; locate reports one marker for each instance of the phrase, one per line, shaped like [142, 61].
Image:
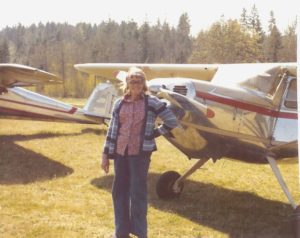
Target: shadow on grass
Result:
[22, 166]
[238, 214]
[45, 135]
[94, 131]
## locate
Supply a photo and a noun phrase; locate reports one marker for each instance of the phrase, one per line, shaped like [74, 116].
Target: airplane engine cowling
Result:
[183, 86]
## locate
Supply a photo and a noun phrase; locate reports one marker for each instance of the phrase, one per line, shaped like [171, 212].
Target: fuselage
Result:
[241, 121]
[20, 103]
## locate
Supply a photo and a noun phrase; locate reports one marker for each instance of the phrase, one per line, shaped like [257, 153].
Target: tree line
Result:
[56, 47]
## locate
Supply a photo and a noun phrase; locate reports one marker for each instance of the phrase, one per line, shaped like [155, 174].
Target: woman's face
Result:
[135, 85]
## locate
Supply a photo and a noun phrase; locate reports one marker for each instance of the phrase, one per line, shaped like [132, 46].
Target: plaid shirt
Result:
[131, 118]
[153, 108]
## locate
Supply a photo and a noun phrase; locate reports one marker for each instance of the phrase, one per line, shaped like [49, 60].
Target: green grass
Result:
[51, 185]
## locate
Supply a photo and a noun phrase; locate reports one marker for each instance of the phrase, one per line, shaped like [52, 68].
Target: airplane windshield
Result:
[291, 97]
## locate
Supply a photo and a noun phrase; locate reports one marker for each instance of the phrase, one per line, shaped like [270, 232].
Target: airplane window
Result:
[291, 97]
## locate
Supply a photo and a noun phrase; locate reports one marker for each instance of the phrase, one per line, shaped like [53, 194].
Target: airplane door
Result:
[286, 127]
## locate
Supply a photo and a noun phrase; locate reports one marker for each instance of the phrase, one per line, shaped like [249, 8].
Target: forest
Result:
[56, 47]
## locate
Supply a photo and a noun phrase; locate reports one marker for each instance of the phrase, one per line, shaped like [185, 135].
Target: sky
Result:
[201, 13]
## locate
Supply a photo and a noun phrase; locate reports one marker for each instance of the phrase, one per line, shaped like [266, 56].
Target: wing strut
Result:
[280, 180]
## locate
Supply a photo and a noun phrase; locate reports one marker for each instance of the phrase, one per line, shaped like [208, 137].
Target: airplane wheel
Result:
[165, 183]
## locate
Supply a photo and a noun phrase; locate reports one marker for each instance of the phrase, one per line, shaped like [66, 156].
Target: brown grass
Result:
[51, 186]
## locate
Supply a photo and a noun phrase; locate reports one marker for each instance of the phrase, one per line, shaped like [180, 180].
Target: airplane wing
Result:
[110, 70]
[20, 75]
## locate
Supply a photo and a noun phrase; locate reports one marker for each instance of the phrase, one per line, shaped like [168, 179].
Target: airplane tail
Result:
[101, 101]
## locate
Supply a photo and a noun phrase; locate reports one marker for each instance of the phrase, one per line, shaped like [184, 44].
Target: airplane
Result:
[245, 112]
[19, 103]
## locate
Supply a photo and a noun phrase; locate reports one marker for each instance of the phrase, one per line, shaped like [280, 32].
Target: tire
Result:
[164, 185]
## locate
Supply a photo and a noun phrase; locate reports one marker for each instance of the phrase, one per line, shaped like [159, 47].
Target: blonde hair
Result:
[135, 71]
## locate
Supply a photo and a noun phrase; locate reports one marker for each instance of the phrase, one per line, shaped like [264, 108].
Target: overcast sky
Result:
[201, 13]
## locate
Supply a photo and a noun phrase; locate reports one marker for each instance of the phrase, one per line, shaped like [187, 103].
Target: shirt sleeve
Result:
[168, 117]
[112, 124]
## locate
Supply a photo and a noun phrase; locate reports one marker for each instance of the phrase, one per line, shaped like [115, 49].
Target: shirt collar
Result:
[126, 97]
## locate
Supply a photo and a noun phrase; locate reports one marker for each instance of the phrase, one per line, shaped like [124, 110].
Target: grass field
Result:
[51, 185]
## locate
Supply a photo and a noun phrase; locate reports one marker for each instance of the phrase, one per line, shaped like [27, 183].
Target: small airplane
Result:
[245, 112]
[17, 102]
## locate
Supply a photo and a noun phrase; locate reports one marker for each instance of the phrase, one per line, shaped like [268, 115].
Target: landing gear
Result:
[170, 184]
[285, 189]
[164, 186]
[280, 180]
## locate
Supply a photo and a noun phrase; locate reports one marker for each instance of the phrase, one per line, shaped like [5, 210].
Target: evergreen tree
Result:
[273, 41]
[288, 52]
[144, 42]
[251, 25]
[244, 20]
[168, 43]
[128, 42]
[183, 39]
[4, 51]
[255, 24]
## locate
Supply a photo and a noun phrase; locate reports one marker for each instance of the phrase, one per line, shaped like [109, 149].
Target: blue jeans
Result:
[129, 195]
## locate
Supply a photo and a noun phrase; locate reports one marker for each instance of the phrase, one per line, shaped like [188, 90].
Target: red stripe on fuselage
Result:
[9, 112]
[72, 111]
[247, 106]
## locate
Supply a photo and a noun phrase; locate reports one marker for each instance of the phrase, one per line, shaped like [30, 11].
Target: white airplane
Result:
[20, 103]
[246, 112]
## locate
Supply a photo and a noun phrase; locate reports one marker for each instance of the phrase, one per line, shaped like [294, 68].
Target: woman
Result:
[130, 142]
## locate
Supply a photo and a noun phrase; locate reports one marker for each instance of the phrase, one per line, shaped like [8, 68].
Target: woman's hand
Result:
[105, 163]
